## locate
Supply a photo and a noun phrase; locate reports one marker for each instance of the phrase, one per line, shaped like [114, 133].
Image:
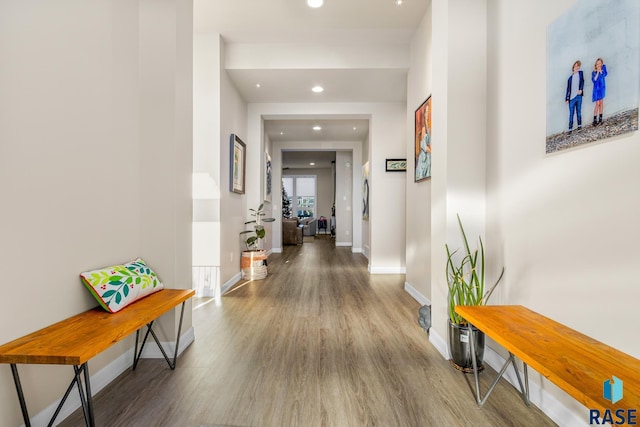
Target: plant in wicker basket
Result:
[252, 242]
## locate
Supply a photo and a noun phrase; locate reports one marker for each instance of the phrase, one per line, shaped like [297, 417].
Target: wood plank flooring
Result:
[319, 342]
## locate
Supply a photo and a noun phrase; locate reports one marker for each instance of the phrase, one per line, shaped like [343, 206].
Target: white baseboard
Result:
[357, 251]
[229, 283]
[387, 270]
[552, 407]
[276, 250]
[344, 244]
[439, 343]
[104, 376]
[416, 294]
[152, 351]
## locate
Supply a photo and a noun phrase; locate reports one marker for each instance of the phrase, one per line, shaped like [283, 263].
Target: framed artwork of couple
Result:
[593, 73]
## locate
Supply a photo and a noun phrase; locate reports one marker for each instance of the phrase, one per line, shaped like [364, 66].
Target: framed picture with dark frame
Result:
[237, 165]
[395, 165]
[267, 177]
[422, 140]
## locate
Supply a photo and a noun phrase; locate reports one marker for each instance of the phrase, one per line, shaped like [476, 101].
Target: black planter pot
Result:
[460, 347]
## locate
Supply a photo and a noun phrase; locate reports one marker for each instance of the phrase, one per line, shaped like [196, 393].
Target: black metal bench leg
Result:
[89, 401]
[23, 404]
[524, 389]
[137, 354]
[175, 354]
[85, 395]
[64, 398]
[76, 380]
[171, 363]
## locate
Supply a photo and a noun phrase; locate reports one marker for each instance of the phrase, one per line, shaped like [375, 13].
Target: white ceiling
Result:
[302, 159]
[354, 25]
[347, 129]
[288, 21]
[340, 85]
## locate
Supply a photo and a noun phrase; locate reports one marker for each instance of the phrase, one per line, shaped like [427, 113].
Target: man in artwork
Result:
[573, 97]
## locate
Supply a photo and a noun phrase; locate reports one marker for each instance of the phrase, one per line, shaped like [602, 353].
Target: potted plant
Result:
[466, 281]
[254, 259]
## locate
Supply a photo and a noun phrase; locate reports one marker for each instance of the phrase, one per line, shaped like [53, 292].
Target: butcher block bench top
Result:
[574, 362]
[77, 339]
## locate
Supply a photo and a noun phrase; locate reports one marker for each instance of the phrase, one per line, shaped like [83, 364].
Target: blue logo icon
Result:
[612, 389]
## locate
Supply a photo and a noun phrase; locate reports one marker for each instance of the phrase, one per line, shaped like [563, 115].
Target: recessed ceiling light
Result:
[281, 133]
[317, 89]
[355, 128]
[399, 2]
[315, 3]
[317, 128]
[257, 84]
[312, 164]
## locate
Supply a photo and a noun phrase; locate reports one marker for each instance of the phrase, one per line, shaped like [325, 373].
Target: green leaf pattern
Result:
[120, 285]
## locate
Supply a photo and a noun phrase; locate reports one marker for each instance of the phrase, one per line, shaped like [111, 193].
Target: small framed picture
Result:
[237, 167]
[395, 165]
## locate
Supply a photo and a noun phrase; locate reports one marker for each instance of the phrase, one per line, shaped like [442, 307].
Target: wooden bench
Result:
[79, 338]
[574, 362]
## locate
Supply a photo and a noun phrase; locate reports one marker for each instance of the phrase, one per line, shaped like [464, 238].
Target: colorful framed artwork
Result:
[423, 141]
[593, 73]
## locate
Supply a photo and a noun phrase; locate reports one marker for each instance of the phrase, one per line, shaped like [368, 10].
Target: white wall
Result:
[234, 209]
[86, 179]
[206, 150]
[219, 112]
[346, 175]
[387, 195]
[564, 225]
[418, 194]
[458, 162]
[165, 67]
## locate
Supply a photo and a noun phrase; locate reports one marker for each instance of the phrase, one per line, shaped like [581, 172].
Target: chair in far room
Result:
[322, 225]
[291, 231]
[309, 226]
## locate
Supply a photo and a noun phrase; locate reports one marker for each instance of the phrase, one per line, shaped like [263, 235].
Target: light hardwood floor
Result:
[319, 342]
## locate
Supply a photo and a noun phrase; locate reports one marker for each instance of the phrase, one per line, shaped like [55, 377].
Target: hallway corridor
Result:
[319, 342]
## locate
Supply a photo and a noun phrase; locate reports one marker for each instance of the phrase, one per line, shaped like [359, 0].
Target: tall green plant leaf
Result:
[466, 277]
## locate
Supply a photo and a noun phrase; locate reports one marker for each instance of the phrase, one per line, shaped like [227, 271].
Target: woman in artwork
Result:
[423, 162]
[599, 90]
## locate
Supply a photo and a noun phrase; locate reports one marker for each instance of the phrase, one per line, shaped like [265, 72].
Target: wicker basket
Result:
[254, 265]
